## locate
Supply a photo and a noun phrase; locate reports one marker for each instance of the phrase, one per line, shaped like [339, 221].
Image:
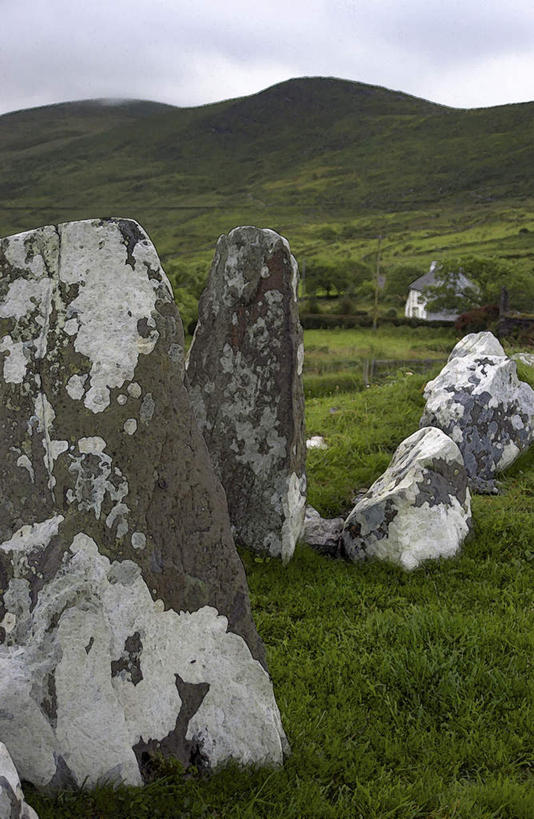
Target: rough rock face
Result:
[244, 369]
[125, 624]
[322, 534]
[478, 400]
[420, 508]
[12, 804]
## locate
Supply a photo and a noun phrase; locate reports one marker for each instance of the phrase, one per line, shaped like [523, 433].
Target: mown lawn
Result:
[402, 695]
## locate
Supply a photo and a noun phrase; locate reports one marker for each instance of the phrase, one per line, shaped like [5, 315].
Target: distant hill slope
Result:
[329, 162]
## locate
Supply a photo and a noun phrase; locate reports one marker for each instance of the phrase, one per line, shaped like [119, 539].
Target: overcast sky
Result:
[464, 53]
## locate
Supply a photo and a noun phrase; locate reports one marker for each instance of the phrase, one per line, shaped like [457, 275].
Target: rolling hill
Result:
[330, 163]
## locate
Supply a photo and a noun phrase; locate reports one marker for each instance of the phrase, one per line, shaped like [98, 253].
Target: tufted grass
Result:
[402, 695]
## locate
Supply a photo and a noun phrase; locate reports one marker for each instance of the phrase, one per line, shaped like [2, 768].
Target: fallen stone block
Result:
[322, 534]
[125, 623]
[245, 382]
[480, 403]
[419, 509]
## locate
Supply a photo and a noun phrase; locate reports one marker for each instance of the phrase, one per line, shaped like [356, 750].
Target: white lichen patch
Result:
[146, 411]
[92, 444]
[16, 361]
[75, 386]
[96, 481]
[80, 627]
[94, 255]
[24, 463]
[294, 508]
[138, 540]
[300, 358]
[43, 421]
[134, 390]
[33, 536]
[71, 326]
[121, 399]
[130, 426]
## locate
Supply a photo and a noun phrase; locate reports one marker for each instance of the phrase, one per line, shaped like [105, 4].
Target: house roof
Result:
[427, 280]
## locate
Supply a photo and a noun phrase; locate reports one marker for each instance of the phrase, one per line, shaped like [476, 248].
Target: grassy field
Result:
[403, 695]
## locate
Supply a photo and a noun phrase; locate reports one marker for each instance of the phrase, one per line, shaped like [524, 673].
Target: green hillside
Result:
[330, 163]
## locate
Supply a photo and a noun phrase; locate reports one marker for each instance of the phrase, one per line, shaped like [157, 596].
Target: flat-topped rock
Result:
[419, 509]
[125, 624]
[479, 401]
[245, 376]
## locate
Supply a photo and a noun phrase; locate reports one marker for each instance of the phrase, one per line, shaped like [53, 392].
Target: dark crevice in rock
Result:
[130, 662]
[63, 779]
[131, 235]
[49, 704]
[188, 752]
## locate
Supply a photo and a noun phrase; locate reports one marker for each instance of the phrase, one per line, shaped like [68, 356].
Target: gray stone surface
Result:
[125, 624]
[478, 400]
[12, 804]
[245, 375]
[322, 534]
[417, 510]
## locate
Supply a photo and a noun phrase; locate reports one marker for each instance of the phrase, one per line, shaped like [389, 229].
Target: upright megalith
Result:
[245, 375]
[479, 401]
[125, 625]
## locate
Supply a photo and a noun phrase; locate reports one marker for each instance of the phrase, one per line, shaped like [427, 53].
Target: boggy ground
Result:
[403, 695]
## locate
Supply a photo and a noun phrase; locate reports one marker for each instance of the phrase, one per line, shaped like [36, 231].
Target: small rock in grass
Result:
[418, 509]
[316, 442]
[320, 533]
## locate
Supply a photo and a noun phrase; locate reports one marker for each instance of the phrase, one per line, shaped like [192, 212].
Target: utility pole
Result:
[377, 282]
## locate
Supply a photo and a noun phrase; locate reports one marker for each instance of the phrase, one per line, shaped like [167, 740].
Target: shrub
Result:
[478, 319]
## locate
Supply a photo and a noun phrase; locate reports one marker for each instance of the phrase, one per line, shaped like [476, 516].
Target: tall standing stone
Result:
[245, 375]
[125, 625]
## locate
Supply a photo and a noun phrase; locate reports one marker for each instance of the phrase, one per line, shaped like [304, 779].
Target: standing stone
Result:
[245, 375]
[479, 401]
[125, 624]
[420, 508]
[12, 804]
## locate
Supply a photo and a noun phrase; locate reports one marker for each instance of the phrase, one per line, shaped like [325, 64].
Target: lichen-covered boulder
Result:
[478, 400]
[125, 624]
[322, 534]
[420, 508]
[12, 804]
[245, 376]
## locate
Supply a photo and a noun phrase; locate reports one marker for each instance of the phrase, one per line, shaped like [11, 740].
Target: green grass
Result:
[404, 695]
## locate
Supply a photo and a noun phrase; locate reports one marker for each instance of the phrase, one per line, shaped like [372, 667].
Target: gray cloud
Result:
[187, 52]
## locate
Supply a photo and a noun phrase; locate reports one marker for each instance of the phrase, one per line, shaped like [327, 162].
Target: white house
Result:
[416, 301]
